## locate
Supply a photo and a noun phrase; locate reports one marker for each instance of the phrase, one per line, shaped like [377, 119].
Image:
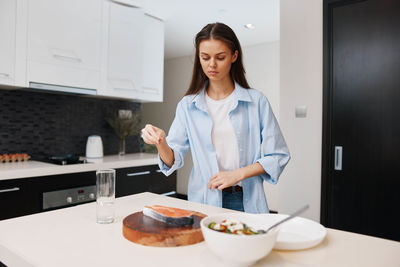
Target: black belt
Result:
[231, 189]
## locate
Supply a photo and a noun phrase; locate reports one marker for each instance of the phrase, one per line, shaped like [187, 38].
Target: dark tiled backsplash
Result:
[43, 124]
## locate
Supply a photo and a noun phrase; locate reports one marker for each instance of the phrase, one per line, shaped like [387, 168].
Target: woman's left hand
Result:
[222, 180]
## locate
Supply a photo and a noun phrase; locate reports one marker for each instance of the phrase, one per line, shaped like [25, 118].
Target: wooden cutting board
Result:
[141, 229]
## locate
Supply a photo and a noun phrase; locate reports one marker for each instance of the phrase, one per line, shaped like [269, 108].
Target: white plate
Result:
[297, 233]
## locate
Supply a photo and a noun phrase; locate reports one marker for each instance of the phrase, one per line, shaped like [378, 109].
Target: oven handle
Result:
[9, 190]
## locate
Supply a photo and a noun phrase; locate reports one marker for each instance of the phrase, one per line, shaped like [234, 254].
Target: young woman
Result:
[235, 140]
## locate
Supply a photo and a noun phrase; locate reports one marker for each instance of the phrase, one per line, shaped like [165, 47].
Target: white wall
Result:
[177, 75]
[262, 67]
[262, 70]
[301, 84]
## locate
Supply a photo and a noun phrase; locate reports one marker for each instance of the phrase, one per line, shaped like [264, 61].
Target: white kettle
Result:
[94, 148]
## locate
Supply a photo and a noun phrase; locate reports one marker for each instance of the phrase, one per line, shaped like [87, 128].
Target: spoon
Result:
[291, 216]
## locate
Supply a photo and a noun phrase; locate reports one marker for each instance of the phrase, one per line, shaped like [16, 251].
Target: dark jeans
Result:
[232, 200]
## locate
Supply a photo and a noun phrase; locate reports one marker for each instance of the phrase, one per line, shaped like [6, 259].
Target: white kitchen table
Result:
[71, 237]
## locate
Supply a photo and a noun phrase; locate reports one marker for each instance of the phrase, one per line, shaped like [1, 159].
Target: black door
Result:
[361, 135]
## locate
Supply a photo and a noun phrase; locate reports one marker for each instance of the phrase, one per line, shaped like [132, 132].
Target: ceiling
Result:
[184, 18]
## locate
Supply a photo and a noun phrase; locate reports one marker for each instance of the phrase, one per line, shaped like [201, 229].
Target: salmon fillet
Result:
[169, 215]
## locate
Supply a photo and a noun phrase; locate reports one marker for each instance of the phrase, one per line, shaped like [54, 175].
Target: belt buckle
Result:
[233, 189]
[228, 189]
[236, 188]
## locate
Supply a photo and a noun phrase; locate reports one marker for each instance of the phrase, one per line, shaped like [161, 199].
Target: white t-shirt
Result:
[222, 135]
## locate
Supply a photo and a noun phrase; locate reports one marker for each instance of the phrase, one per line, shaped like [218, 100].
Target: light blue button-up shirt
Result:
[255, 126]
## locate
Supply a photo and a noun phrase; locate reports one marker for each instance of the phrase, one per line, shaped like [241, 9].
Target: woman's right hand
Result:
[156, 136]
[152, 135]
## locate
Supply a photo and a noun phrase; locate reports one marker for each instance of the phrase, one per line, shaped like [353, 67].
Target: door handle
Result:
[4, 75]
[9, 190]
[168, 193]
[67, 58]
[138, 173]
[150, 90]
[338, 158]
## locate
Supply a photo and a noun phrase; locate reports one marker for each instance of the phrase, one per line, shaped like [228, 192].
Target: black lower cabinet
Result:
[19, 197]
[24, 196]
[143, 179]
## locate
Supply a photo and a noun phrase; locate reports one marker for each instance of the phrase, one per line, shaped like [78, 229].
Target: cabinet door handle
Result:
[150, 90]
[168, 193]
[124, 89]
[138, 173]
[338, 158]
[123, 85]
[125, 3]
[4, 75]
[67, 58]
[9, 190]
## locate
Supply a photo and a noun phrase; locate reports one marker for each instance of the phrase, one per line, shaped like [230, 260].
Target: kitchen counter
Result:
[33, 168]
[71, 237]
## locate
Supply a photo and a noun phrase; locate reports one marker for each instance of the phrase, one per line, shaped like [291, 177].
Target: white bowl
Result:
[239, 250]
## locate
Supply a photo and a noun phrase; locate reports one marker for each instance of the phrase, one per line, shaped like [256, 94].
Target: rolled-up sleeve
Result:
[275, 153]
[177, 140]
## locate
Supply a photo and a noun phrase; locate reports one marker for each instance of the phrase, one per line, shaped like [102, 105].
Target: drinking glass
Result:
[105, 196]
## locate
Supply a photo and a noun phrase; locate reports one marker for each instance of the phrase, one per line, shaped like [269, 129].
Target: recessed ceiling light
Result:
[249, 26]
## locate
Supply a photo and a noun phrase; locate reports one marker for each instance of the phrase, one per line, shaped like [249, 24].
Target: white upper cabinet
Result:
[133, 62]
[106, 47]
[64, 42]
[153, 66]
[8, 17]
[124, 51]
[13, 31]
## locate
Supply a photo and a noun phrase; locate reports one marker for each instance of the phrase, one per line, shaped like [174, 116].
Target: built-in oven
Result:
[68, 197]
[64, 190]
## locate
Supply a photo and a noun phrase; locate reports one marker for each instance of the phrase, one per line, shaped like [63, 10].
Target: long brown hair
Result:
[224, 33]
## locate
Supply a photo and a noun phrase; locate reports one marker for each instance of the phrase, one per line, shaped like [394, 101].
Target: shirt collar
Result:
[241, 94]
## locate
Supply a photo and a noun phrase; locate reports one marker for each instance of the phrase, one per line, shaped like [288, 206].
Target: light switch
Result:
[301, 111]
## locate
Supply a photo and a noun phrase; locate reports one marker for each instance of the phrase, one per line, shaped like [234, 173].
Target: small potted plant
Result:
[124, 124]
